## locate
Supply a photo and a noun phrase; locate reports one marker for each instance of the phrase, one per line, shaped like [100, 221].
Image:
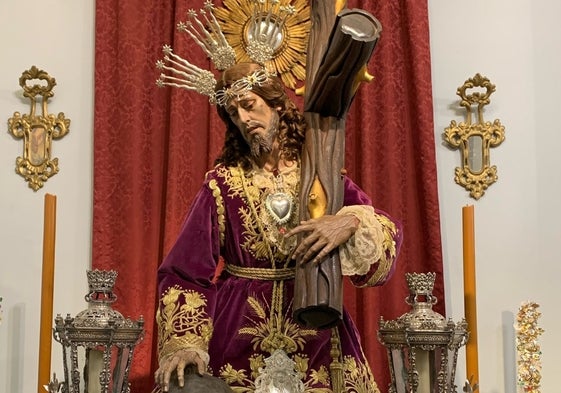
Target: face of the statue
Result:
[257, 122]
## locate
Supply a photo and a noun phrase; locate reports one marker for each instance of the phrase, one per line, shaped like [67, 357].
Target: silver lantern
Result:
[422, 346]
[97, 344]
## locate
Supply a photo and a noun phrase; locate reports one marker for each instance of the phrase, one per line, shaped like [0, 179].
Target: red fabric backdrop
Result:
[153, 146]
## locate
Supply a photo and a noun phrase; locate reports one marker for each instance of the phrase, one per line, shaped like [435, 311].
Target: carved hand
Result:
[322, 235]
[177, 361]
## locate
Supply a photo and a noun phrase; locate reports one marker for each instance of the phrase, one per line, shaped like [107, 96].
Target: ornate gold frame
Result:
[289, 61]
[475, 139]
[37, 131]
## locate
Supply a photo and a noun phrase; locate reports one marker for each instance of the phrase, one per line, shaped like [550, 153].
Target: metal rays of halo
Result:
[289, 59]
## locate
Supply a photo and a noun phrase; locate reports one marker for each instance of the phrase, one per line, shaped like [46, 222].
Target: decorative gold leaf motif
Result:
[182, 321]
[261, 237]
[257, 307]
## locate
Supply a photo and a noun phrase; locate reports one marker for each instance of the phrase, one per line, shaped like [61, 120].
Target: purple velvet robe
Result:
[239, 320]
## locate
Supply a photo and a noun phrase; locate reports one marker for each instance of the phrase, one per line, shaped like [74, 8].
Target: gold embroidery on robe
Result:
[219, 208]
[277, 332]
[268, 332]
[259, 237]
[358, 377]
[182, 324]
[269, 328]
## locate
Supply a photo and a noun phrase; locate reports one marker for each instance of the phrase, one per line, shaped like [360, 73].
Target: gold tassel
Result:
[336, 366]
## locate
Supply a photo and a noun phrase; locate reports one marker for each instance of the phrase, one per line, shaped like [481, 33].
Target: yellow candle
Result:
[47, 289]
[470, 307]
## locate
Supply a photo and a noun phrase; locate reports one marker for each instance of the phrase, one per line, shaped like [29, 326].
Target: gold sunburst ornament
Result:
[272, 33]
[276, 30]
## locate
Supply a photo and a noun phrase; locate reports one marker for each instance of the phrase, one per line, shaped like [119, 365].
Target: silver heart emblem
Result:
[279, 206]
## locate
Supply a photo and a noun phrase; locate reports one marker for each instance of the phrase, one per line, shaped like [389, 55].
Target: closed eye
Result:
[247, 104]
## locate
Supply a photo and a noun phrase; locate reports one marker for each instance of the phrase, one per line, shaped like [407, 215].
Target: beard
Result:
[263, 143]
[260, 145]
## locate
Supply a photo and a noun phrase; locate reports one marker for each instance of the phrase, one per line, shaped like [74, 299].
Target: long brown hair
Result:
[292, 125]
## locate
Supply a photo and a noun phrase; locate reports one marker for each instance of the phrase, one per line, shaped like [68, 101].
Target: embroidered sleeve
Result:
[369, 254]
[183, 323]
[187, 294]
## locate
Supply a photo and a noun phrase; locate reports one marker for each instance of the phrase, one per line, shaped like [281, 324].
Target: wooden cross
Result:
[340, 44]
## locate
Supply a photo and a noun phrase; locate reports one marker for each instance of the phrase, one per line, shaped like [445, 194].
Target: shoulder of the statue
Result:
[215, 173]
[223, 176]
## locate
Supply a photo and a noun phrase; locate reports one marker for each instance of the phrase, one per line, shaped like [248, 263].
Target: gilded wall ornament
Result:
[37, 130]
[475, 138]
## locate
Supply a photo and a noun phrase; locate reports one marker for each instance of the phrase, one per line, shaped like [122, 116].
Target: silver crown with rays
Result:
[206, 31]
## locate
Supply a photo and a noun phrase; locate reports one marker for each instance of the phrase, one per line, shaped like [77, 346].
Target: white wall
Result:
[514, 43]
[56, 36]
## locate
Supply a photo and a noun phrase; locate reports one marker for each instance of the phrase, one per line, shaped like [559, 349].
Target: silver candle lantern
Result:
[422, 346]
[98, 344]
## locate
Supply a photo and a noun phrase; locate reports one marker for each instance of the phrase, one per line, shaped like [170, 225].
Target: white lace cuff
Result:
[365, 247]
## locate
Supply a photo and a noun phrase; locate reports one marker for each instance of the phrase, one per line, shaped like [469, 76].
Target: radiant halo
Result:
[240, 19]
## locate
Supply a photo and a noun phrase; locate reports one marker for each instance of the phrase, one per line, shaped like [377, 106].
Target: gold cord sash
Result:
[261, 273]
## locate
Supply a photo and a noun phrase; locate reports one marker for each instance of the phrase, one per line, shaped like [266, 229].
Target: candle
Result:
[423, 368]
[47, 287]
[95, 367]
[470, 307]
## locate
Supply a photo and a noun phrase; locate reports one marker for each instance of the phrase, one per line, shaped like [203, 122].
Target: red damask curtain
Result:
[152, 147]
